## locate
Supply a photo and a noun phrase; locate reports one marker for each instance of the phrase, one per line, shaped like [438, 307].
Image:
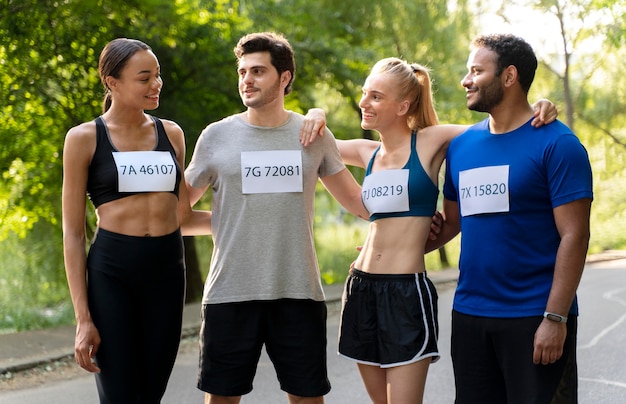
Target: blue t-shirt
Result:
[507, 186]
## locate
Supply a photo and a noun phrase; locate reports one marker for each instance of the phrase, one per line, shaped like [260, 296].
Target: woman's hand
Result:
[86, 346]
[545, 113]
[313, 126]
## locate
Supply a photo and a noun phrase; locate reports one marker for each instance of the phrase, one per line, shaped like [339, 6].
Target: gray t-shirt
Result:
[263, 241]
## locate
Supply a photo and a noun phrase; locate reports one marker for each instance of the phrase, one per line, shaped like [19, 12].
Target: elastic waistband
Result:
[117, 254]
[391, 277]
[119, 236]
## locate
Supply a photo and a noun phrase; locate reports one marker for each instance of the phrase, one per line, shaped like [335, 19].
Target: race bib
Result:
[145, 171]
[484, 190]
[273, 171]
[386, 191]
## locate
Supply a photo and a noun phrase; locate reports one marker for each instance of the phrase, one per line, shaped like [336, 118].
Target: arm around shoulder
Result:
[344, 188]
[192, 222]
[450, 226]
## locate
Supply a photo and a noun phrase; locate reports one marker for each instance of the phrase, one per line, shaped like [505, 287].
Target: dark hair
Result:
[278, 47]
[113, 59]
[511, 50]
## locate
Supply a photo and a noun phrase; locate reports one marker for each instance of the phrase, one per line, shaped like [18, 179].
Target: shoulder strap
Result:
[101, 132]
[163, 140]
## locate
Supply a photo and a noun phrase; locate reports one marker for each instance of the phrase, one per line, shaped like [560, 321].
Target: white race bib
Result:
[272, 171]
[484, 190]
[145, 171]
[386, 191]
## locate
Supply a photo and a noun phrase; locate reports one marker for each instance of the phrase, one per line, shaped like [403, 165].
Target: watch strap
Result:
[555, 317]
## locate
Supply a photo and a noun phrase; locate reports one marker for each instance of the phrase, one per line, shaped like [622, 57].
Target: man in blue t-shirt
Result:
[521, 197]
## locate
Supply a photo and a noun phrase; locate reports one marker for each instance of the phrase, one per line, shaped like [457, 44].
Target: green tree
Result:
[49, 55]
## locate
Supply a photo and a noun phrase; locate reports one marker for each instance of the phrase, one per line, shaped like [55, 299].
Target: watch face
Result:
[554, 317]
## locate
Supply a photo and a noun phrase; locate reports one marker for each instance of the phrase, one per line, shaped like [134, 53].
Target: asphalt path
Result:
[601, 357]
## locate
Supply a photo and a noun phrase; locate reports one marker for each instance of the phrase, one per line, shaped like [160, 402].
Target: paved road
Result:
[602, 338]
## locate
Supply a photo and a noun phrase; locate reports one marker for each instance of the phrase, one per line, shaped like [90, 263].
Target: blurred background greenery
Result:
[49, 83]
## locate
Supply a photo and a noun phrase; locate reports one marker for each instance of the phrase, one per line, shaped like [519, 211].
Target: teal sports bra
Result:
[397, 195]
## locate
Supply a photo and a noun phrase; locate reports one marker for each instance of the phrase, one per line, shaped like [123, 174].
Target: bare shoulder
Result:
[171, 125]
[173, 130]
[177, 137]
[83, 134]
[84, 129]
[80, 145]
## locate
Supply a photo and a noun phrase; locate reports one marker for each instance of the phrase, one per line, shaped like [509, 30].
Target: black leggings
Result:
[136, 288]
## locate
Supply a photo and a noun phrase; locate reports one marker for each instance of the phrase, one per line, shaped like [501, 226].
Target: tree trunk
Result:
[195, 283]
[443, 256]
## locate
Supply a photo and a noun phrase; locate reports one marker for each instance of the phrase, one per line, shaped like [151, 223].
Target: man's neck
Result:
[506, 118]
[265, 117]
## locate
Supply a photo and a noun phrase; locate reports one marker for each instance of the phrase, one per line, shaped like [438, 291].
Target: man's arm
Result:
[315, 120]
[572, 222]
[195, 193]
[195, 222]
[449, 227]
[344, 188]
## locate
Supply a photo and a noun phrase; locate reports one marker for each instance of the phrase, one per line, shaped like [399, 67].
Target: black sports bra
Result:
[111, 170]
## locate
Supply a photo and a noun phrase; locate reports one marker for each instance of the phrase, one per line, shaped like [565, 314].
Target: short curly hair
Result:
[511, 50]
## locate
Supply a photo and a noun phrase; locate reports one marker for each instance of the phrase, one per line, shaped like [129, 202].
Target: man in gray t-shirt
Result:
[264, 285]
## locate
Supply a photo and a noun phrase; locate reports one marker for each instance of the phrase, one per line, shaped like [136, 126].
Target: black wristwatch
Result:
[555, 317]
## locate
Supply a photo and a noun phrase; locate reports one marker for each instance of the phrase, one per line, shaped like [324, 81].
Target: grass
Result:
[33, 290]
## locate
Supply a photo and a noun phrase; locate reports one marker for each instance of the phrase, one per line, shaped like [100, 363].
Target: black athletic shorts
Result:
[294, 334]
[389, 320]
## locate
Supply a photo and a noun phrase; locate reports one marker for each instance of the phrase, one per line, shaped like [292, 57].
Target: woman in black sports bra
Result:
[129, 313]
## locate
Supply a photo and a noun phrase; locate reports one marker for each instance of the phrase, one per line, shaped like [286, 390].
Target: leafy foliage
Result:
[49, 55]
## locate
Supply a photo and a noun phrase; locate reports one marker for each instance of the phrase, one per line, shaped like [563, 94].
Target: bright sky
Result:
[540, 30]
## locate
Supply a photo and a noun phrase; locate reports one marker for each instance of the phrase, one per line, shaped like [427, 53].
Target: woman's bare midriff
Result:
[144, 215]
[395, 246]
